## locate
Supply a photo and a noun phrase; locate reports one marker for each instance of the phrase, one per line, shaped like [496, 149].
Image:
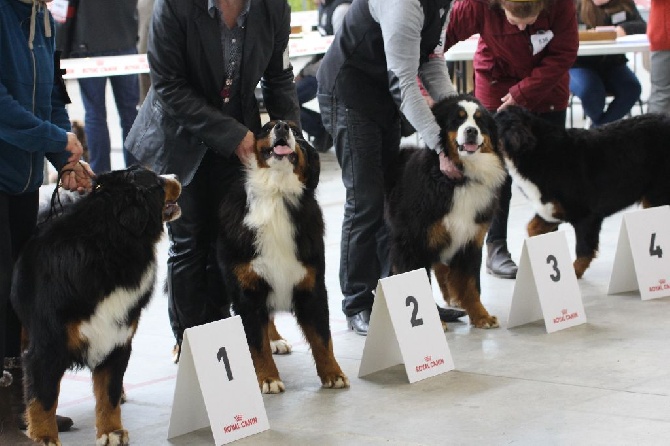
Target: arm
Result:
[634, 23]
[59, 115]
[186, 105]
[401, 22]
[277, 86]
[560, 55]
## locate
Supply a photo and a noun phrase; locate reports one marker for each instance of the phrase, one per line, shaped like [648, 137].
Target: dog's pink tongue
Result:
[470, 147]
[282, 150]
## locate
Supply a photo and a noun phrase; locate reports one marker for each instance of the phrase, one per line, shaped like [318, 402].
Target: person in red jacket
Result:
[658, 31]
[524, 52]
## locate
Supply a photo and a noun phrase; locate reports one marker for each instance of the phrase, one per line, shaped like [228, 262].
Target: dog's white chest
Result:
[269, 217]
[107, 329]
[471, 200]
[532, 193]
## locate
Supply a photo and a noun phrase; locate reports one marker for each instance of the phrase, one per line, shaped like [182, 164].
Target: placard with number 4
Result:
[642, 259]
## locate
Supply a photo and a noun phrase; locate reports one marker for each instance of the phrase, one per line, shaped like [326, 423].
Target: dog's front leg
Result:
[107, 387]
[261, 355]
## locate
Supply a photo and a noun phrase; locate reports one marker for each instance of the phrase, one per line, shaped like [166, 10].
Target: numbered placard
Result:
[546, 285]
[642, 259]
[216, 384]
[405, 328]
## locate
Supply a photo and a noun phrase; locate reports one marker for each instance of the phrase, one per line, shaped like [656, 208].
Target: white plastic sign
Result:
[546, 285]
[405, 328]
[216, 384]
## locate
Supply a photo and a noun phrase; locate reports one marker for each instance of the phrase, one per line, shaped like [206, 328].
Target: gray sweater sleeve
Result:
[401, 22]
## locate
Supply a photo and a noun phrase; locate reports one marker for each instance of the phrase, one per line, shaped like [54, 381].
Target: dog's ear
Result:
[514, 131]
[313, 167]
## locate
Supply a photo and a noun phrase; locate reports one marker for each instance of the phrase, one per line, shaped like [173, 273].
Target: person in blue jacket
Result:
[34, 125]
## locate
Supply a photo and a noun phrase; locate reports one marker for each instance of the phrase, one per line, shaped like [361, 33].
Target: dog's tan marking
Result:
[538, 226]
[487, 145]
[300, 168]
[75, 342]
[309, 281]
[260, 143]
[452, 148]
[481, 234]
[41, 422]
[266, 369]
[278, 344]
[581, 264]
[172, 190]
[438, 236]
[246, 276]
[107, 414]
[326, 366]
[462, 292]
[441, 271]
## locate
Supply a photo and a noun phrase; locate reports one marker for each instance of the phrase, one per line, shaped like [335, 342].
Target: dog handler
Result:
[33, 125]
[367, 77]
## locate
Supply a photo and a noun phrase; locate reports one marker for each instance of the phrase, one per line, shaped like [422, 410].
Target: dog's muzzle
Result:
[471, 144]
[281, 148]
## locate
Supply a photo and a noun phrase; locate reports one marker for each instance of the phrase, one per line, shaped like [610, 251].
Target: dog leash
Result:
[55, 195]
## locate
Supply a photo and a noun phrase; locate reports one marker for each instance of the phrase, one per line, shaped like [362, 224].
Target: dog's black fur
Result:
[582, 176]
[271, 251]
[79, 287]
[421, 199]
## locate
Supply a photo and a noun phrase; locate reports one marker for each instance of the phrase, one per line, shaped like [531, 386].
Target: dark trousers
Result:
[196, 293]
[363, 148]
[498, 229]
[18, 217]
[93, 94]
[309, 119]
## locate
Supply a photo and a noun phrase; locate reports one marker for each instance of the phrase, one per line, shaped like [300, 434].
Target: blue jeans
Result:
[126, 96]
[309, 119]
[364, 149]
[592, 87]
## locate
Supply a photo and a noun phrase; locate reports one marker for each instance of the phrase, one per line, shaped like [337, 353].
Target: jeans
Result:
[498, 228]
[593, 86]
[309, 119]
[126, 96]
[364, 148]
[18, 217]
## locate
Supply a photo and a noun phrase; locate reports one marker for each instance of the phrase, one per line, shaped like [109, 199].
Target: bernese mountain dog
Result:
[581, 176]
[440, 222]
[79, 287]
[271, 251]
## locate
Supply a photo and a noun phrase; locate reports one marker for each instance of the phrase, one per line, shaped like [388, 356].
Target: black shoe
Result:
[450, 314]
[323, 142]
[499, 261]
[359, 322]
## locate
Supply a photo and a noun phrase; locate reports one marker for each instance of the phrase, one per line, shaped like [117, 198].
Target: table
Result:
[464, 51]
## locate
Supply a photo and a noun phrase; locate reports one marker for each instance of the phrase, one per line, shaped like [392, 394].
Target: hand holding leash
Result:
[245, 149]
[74, 147]
[77, 176]
[507, 100]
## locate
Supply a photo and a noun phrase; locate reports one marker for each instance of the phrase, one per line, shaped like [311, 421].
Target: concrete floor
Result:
[606, 382]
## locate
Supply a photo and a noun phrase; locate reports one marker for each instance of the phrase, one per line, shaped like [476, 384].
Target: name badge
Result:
[541, 40]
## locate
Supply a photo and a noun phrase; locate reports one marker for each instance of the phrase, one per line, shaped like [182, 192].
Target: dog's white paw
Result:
[47, 442]
[280, 347]
[116, 438]
[271, 385]
[336, 382]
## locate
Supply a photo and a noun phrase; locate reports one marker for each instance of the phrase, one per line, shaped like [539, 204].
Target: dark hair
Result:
[522, 8]
[592, 15]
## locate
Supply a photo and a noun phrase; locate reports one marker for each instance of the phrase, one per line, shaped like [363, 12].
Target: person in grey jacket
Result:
[206, 58]
[367, 77]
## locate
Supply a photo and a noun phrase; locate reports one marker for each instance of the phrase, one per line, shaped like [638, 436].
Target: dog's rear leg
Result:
[107, 387]
[278, 344]
[42, 386]
[587, 233]
[538, 226]
[311, 311]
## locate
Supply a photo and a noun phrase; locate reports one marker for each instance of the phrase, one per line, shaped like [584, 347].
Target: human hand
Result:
[77, 176]
[507, 100]
[245, 150]
[620, 32]
[74, 147]
[448, 167]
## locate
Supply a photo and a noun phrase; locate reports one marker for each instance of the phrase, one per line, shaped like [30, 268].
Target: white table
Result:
[464, 52]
